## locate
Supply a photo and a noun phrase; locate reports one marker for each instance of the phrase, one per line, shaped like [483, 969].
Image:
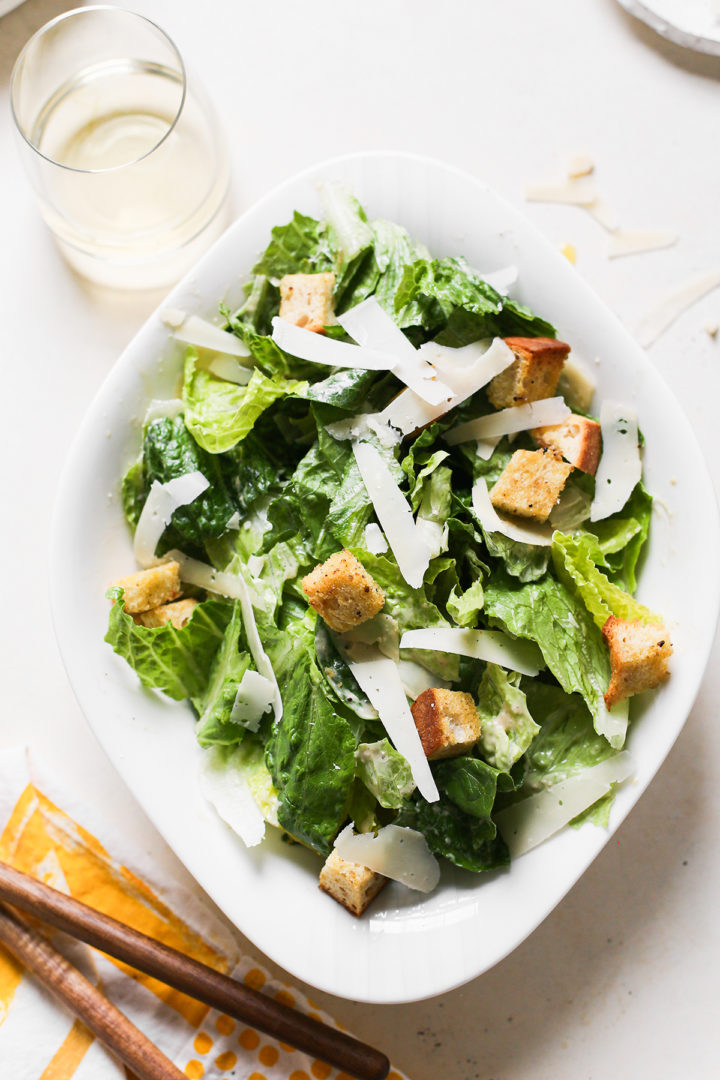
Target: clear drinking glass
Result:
[124, 153]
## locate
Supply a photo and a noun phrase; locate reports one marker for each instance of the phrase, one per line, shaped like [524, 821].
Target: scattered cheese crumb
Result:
[604, 215]
[711, 328]
[580, 165]
[636, 241]
[568, 250]
[572, 192]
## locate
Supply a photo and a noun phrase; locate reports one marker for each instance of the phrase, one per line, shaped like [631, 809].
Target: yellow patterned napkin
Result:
[39, 1040]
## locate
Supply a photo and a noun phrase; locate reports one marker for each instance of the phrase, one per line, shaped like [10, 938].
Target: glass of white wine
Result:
[125, 153]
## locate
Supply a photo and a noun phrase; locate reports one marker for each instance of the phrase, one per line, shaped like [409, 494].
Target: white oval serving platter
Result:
[407, 946]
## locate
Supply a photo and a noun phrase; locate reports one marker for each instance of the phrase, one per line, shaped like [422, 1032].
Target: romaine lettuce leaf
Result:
[300, 247]
[220, 414]
[311, 758]
[547, 612]
[385, 773]
[576, 568]
[507, 728]
[230, 663]
[169, 450]
[622, 538]
[177, 662]
[455, 287]
[459, 837]
[465, 607]
[472, 785]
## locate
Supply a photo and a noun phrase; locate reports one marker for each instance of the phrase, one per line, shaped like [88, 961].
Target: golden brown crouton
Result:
[638, 657]
[577, 438]
[150, 588]
[447, 722]
[533, 375]
[177, 613]
[307, 300]
[530, 484]
[352, 885]
[342, 592]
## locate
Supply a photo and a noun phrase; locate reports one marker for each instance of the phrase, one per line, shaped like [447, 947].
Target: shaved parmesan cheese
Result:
[234, 522]
[233, 586]
[363, 425]
[526, 824]
[620, 467]
[382, 630]
[173, 317]
[491, 645]
[206, 577]
[228, 368]
[576, 385]
[580, 165]
[572, 192]
[612, 723]
[378, 677]
[506, 421]
[160, 505]
[465, 370]
[158, 409]
[196, 331]
[255, 565]
[486, 448]
[319, 349]
[255, 696]
[394, 514]
[416, 679]
[227, 789]
[672, 304]
[635, 241]
[395, 852]
[491, 521]
[603, 214]
[372, 328]
[374, 540]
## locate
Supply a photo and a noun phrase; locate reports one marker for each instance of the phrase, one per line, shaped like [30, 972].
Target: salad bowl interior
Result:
[407, 946]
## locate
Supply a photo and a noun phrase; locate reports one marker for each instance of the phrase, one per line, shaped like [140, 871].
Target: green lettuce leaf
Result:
[623, 536]
[220, 414]
[547, 612]
[457, 836]
[465, 607]
[507, 728]
[311, 758]
[472, 785]
[169, 450]
[565, 745]
[576, 568]
[215, 704]
[385, 773]
[177, 662]
[456, 288]
[300, 247]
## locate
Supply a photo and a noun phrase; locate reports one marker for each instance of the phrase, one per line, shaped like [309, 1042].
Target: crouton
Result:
[177, 613]
[530, 484]
[638, 657]
[352, 885]
[533, 375]
[342, 592]
[150, 588]
[306, 300]
[447, 721]
[577, 438]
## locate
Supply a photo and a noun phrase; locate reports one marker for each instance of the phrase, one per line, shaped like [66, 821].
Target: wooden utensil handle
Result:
[191, 977]
[97, 1013]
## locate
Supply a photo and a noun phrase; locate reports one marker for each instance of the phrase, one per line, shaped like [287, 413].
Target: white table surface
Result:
[622, 979]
